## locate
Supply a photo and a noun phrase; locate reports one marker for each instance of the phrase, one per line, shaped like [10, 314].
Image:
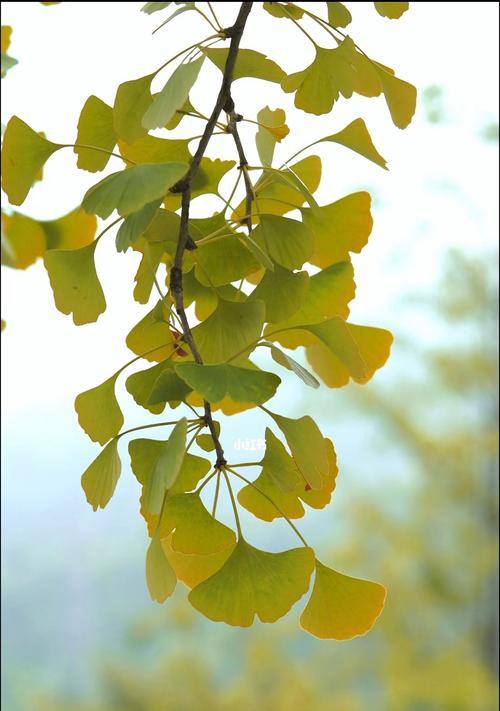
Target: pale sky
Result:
[67, 52]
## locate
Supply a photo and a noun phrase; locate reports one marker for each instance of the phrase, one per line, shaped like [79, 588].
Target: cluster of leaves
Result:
[255, 277]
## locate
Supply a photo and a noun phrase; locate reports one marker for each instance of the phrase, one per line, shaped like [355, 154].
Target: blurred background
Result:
[416, 502]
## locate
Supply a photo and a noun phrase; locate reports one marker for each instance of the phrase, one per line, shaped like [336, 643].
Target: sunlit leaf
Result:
[24, 153]
[173, 95]
[341, 607]
[75, 283]
[130, 189]
[160, 576]
[338, 14]
[6, 32]
[254, 582]
[392, 10]
[151, 7]
[401, 98]
[356, 137]
[151, 149]
[339, 228]
[194, 529]
[249, 63]
[289, 242]
[307, 447]
[283, 9]
[100, 478]
[144, 454]
[290, 364]
[23, 240]
[233, 327]
[282, 291]
[140, 385]
[169, 387]
[150, 333]
[98, 411]
[132, 100]
[95, 128]
[272, 130]
[166, 468]
[215, 382]
[193, 569]
[76, 229]
[319, 498]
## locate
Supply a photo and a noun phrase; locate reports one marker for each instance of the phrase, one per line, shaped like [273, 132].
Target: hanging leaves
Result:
[166, 468]
[100, 478]
[98, 411]
[173, 95]
[215, 382]
[95, 128]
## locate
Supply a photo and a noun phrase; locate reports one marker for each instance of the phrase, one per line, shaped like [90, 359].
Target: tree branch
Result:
[224, 102]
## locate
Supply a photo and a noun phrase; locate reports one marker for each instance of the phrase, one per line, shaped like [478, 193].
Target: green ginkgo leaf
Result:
[215, 382]
[98, 411]
[272, 130]
[289, 242]
[341, 607]
[392, 10]
[249, 63]
[168, 387]
[232, 328]
[141, 384]
[132, 100]
[160, 576]
[282, 291]
[144, 454]
[151, 7]
[339, 228]
[338, 14]
[95, 128]
[223, 261]
[75, 283]
[130, 189]
[290, 364]
[166, 468]
[153, 335]
[173, 95]
[6, 63]
[283, 9]
[135, 224]
[356, 137]
[206, 180]
[330, 356]
[194, 529]
[24, 153]
[254, 582]
[100, 478]
[307, 447]
[401, 98]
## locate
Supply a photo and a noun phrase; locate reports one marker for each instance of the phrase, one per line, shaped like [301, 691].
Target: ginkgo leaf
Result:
[132, 100]
[319, 498]
[23, 240]
[277, 197]
[140, 385]
[160, 576]
[76, 229]
[6, 63]
[95, 128]
[272, 130]
[166, 468]
[254, 582]
[186, 108]
[232, 328]
[341, 607]
[130, 189]
[135, 224]
[151, 7]
[392, 10]
[100, 478]
[75, 283]
[168, 387]
[98, 411]
[146, 272]
[401, 98]
[289, 242]
[194, 529]
[206, 181]
[338, 14]
[151, 334]
[215, 382]
[173, 95]
[223, 261]
[290, 364]
[265, 500]
[282, 291]
[348, 351]
[144, 454]
[356, 137]
[185, 7]
[283, 9]
[151, 149]
[24, 153]
[306, 445]
[339, 228]
[249, 63]
[192, 569]
[6, 32]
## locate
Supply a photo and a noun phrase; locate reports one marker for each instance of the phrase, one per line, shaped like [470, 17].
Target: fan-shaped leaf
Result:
[166, 468]
[100, 478]
[95, 128]
[160, 576]
[282, 291]
[249, 63]
[289, 242]
[392, 10]
[132, 100]
[98, 411]
[215, 382]
[356, 137]
[173, 95]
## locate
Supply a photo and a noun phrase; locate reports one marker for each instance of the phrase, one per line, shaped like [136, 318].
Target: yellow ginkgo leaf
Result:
[192, 569]
[392, 10]
[75, 283]
[272, 130]
[23, 240]
[73, 230]
[341, 607]
[356, 137]
[149, 334]
[98, 411]
[132, 100]
[100, 478]
[95, 128]
[401, 98]
[160, 576]
[254, 582]
[166, 468]
[24, 153]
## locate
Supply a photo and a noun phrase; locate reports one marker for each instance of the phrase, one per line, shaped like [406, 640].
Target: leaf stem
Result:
[216, 495]
[233, 504]
[285, 9]
[97, 148]
[145, 427]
